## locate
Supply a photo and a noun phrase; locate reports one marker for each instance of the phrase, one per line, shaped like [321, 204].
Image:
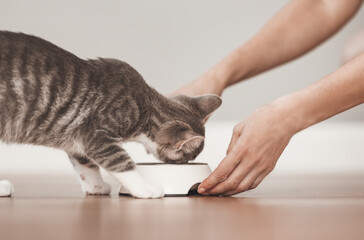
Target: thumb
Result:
[238, 129]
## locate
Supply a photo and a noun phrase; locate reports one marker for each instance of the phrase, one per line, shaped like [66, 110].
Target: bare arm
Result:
[259, 140]
[297, 28]
[339, 91]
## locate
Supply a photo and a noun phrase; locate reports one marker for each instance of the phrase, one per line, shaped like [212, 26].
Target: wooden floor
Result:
[295, 207]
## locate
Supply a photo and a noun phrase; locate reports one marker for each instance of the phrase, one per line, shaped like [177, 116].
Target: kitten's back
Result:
[39, 87]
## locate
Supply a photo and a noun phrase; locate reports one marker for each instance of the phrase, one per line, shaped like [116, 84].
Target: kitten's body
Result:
[50, 97]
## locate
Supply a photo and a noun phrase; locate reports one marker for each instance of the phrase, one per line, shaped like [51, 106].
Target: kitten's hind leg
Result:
[89, 175]
[6, 188]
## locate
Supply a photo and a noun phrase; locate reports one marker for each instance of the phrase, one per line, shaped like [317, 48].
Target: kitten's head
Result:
[181, 138]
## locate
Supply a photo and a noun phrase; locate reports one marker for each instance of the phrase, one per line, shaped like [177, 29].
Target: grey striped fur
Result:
[52, 98]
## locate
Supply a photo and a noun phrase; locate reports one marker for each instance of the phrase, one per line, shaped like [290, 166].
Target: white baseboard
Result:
[324, 148]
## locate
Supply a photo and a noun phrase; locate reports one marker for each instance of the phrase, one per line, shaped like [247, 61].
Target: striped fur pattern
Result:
[87, 108]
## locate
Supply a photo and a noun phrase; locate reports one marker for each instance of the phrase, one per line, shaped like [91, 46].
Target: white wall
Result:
[172, 42]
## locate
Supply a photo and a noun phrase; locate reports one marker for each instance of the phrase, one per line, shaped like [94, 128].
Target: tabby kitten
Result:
[88, 108]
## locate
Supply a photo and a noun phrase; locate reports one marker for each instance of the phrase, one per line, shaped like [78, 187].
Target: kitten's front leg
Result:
[137, 186]
[117, 162]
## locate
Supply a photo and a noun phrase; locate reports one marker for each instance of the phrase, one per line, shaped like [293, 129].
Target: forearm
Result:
[297, 28]
[331, 95]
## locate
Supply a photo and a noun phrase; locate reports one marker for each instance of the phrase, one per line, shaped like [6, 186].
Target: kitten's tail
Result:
[6, 188]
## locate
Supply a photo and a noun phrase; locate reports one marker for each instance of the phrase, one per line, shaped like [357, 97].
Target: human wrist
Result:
[230, 70]
[303, 109]
[335, 93]
[292, 112]
[212, 81]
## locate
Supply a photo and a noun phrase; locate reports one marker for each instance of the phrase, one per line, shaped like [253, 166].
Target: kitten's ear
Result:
[206, 104]
[190, 140]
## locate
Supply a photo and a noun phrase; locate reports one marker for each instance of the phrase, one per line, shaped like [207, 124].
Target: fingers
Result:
[233, 181]
[242, 179]
[258, 180]
[222, 172]
[236, 134]
[246, 176]
[250, 182]
[227, 165]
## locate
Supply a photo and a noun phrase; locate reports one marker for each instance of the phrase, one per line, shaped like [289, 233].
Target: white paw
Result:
[101, 188]
[133, 183]
[6, 188]
[147, 190]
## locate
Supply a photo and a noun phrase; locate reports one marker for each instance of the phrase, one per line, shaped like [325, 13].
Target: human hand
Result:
[254, 149]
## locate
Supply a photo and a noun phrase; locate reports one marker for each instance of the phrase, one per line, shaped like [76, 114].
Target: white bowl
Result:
[176, 179]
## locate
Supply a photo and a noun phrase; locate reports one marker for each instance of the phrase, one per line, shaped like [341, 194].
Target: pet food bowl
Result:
[176, 179]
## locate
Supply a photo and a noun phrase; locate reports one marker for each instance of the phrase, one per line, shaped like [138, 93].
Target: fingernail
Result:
[201, 190]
